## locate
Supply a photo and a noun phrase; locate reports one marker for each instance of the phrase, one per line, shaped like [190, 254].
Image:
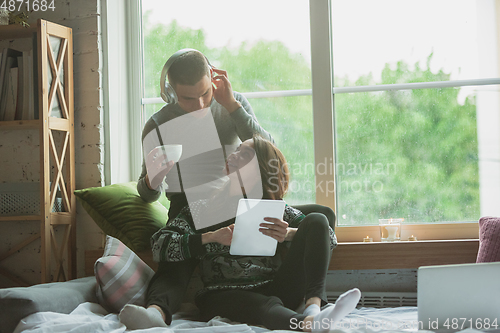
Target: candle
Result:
[367, 239]
[412, 238]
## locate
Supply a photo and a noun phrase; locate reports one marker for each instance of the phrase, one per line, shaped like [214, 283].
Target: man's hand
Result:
[223, 92]
[276, 228]
[157, 168]
[222, 236]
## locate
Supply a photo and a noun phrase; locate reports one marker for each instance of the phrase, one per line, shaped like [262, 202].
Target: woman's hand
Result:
[222, 236]
[276, 228]
[223, 91]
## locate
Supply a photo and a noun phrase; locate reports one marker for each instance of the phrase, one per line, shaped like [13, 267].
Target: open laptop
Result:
[247, 239]
[455, 297]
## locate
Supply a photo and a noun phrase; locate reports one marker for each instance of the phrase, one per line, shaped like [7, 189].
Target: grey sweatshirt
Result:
[232, 129]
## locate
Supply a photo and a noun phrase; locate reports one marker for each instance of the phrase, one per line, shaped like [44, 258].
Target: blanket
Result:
[91, 317]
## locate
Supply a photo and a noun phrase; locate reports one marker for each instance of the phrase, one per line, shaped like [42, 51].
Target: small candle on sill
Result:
[367, 239]
[412, 238]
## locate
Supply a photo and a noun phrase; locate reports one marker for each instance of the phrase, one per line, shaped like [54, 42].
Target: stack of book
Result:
[17, 85]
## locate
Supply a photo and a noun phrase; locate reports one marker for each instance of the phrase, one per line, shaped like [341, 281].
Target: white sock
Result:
[312, 310]
[343, 306]
[137, 317]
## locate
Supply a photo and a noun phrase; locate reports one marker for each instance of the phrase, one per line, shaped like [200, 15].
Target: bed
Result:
[81, 305]
[73, 307]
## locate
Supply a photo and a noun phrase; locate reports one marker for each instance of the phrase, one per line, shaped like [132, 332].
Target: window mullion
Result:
[322, 99]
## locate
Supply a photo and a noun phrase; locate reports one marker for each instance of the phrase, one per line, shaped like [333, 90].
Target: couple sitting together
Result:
[256, 290]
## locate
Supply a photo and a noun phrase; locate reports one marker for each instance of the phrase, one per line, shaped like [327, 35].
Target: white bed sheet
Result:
[91, 317]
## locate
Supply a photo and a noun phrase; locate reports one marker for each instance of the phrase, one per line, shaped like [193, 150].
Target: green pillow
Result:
[121, 213]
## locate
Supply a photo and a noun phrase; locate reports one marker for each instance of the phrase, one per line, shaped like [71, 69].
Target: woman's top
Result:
[219, 270]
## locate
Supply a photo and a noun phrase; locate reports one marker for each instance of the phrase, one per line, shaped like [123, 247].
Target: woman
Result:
[255, 290]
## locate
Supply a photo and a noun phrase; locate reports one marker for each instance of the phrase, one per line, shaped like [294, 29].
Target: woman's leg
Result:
[304, 268]
[315, 208]
[250, 307]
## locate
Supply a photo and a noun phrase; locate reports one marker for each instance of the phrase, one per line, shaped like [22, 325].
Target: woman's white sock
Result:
[312, 310]
[324, 320]
[137, 317]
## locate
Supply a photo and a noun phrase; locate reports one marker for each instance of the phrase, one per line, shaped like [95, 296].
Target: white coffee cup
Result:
[173, 152]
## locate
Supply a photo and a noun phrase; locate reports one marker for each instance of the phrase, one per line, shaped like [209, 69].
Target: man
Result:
[198, 86]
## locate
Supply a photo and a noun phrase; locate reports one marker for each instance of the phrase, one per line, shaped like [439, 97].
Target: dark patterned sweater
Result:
[179, 240]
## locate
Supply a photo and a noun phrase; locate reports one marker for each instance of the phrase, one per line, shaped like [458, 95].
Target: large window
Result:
[408, 142]
[405, 113]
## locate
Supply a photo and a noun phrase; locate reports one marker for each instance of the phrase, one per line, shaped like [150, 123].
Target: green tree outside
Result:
[410, 153]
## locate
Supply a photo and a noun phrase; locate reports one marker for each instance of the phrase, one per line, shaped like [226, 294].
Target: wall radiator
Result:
[371, 299]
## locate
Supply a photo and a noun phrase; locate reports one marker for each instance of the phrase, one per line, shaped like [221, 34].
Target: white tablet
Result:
[247, 239]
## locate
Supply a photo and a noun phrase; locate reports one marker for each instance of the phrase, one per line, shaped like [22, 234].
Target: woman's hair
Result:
[273, 169]
[189, 69]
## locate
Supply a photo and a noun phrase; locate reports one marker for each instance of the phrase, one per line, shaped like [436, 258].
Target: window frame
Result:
[323, 96]
[324, 128]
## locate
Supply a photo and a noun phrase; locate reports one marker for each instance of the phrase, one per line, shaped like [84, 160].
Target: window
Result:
[410, 128]
[269, 63]
[409, 141]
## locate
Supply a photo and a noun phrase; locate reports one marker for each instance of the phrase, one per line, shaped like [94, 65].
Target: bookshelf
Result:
[53, 74]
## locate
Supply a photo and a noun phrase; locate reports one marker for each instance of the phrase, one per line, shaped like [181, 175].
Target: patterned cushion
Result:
[489, 239]
[122, 277]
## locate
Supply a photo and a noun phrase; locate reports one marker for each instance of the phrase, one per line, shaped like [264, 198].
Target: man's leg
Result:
[169, 284]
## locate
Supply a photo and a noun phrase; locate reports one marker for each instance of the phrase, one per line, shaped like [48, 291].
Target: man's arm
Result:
[147, 194]
[246, 122]
[238, 107]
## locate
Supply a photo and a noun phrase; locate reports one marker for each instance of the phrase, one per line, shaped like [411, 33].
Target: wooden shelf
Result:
[19, 124]
[57, 152]
[16, 31]
[21, 218]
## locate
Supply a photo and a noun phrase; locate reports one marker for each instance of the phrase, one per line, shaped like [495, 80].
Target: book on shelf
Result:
[20, 89]
[34, 80]
[9, 61]
[17, 86]
[28, 86]
[11, 94]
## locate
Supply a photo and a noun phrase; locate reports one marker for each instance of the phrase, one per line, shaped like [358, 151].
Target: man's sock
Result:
[343, 306]
[137, 317]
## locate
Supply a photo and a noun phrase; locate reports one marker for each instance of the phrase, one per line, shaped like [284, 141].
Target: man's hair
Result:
[188, 69]
[273, 169]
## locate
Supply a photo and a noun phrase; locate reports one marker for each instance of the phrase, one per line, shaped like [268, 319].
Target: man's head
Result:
[190, 76]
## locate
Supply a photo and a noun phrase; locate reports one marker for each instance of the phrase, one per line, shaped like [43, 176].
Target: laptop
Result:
[455, 297]
[247, 239]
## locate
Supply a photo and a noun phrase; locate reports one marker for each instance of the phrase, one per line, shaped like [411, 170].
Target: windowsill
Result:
[404, 254]
[376, 255]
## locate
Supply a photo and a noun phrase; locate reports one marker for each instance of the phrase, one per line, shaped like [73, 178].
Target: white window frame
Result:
[122, 79]
[324, 135]
[323, 94]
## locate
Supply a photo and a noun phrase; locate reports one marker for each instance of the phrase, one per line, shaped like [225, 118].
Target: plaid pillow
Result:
[122, 277]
